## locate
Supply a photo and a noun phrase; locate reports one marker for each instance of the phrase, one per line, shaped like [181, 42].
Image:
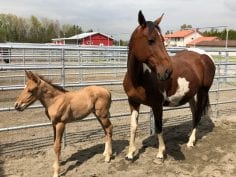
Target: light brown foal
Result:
[62, 106]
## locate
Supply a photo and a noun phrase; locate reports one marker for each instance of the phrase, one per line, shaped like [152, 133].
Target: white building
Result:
[181, 38]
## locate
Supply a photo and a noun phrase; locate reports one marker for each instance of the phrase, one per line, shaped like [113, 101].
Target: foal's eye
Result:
[151, 41]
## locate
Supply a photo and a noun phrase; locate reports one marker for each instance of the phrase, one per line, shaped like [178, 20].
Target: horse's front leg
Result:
[158, 111]
[134, 107]
[58, 132]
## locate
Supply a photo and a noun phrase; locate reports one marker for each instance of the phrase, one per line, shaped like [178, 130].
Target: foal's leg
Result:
[59, 129]
[157, 111]
[103, 115]
[134, 107]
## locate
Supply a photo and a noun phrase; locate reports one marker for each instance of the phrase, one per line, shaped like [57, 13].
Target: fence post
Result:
[152, 123]
[218, 85]
[63, 85]
[226, 66]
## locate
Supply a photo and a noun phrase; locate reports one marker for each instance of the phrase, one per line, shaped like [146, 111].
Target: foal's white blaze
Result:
[183, 88]
[133, 128]
[146, 68]
[192, 138]
[162, 147]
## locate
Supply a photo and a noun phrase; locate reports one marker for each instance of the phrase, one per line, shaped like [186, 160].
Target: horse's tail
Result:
[206, 105]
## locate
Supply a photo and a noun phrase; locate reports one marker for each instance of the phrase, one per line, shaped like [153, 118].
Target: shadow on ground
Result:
[175, 136]
[82, 156]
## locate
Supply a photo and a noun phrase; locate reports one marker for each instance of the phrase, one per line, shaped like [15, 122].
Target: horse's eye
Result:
[151, 41]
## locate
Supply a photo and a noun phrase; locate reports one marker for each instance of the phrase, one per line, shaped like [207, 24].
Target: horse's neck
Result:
[134, 69]
[48, 95]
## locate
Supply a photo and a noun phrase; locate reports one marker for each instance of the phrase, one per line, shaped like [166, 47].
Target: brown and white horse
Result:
[62, 106]
[155, 79]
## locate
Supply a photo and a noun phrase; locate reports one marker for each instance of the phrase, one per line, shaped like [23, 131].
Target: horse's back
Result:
[196, 60]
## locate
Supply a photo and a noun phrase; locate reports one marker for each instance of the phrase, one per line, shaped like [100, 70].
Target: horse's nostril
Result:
[168, 73]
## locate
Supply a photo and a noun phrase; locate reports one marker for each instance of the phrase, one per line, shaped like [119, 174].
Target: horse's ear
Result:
[32, 76]
[158, 21]
[141, 19]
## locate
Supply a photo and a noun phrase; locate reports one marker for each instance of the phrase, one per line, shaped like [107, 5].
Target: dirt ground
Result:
[213, 156]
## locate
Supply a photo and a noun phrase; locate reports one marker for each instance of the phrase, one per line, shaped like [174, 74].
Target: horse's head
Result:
[30, 93]
[147, 46]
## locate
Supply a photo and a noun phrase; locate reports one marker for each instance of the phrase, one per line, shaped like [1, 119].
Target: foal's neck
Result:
[48, 94]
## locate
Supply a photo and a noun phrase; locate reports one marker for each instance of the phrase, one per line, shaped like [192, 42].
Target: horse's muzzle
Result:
[166, 75]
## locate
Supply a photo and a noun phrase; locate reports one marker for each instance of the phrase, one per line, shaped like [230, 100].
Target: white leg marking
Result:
[162, 147]
[192, 138]
[106, 149]
[133, 128]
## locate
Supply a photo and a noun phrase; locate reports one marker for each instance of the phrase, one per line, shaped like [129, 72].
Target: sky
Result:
[119, 18]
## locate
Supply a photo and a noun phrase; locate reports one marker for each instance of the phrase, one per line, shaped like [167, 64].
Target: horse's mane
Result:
[151, 26]
[53, 85]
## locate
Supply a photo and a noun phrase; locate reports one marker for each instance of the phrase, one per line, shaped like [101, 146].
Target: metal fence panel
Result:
[74, 67]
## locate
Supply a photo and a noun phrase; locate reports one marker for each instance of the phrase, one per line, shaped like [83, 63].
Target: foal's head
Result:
[30, 93]
[147, 46]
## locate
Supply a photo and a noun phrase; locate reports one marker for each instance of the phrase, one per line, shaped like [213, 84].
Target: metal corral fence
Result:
[74, 67]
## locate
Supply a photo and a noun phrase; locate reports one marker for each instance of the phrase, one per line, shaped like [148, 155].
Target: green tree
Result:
[184, 26]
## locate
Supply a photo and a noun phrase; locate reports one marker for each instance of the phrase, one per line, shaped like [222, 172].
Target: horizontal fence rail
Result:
[73, 67]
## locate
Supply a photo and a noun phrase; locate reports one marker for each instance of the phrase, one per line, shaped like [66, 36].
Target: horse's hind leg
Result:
[103, 117]
[192, 137]
[199, 108]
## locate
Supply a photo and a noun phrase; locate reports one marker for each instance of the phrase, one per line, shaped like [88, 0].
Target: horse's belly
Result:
[177, 98]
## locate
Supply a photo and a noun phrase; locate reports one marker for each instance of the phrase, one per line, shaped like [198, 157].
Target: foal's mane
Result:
[53, 85]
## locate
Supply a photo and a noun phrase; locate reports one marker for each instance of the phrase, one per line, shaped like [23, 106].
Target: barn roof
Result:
[82, 36]
[85, 35]
[217, 43]
[201, 39]
[181, 33]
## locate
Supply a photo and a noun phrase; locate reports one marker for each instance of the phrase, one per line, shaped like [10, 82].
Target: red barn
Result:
[91, 38]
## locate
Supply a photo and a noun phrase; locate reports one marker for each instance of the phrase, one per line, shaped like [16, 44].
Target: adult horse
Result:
[155, 79]
[62, 106]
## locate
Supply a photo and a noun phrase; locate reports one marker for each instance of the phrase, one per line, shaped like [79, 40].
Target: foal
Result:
[155, 79]
[62, 106]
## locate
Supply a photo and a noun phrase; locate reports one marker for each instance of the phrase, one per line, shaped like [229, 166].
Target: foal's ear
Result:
[32, 76]
[141, 19]
[158, 21]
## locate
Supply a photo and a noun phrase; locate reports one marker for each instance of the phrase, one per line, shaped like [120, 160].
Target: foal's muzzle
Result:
[19, 107]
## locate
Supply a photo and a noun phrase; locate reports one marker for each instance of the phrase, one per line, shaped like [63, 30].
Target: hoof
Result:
[158, 161]
[107, 159]
[190, 145]
[129, 157]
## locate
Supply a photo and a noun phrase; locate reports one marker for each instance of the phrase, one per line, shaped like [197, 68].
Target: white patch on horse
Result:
[183, 88]
[200, 51]
[145, 67]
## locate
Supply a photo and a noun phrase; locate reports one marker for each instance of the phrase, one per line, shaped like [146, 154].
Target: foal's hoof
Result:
[107, 159]
[129, 157]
